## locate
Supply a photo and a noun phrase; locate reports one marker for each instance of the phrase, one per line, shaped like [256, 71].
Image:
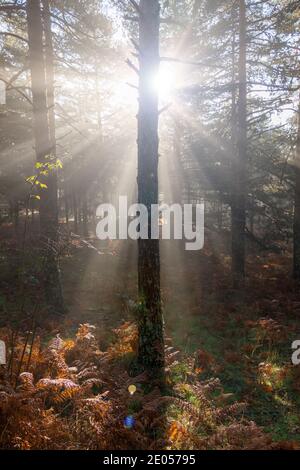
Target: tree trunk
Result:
[44, 146]
[49, 68]
[84, 214]
[16, 217]
[79, 213]
[66, 199]
[75, 211]
[151, 342]
[32, 216]
[239, 173]
[297, 206]
[177, 195]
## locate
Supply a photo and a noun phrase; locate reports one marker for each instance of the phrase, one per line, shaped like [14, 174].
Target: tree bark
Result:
[297, 205]
[240, 180]
[44, 134]
[151, 342]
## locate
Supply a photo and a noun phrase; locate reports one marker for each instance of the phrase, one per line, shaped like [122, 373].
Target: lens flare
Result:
[132, 389]
[129, 422]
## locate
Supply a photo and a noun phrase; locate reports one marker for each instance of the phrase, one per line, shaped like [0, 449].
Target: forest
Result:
[150, 225]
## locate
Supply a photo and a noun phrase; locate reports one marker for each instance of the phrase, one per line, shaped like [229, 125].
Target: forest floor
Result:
[236, 346]
[245, 340]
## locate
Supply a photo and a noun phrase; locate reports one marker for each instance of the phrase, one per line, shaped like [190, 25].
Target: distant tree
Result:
[296, 232]
[238, 207]
[44, 136]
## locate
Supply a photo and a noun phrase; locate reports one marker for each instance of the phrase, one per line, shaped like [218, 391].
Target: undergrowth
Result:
[73, 395]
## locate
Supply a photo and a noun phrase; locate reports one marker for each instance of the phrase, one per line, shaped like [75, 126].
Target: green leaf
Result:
[30, 179]
[59, 163]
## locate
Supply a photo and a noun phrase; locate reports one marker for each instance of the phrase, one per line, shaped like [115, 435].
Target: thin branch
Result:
[131, 18]
[164, 108]
[67, 121]
[17, 75]
[135, 44]
[132, 66]
[11, 8]
[2, 33]
[135, 5]
[132, 86]
[17, 90]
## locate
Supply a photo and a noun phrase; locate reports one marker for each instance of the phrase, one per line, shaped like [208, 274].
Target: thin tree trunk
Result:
[44, 146]
[98, 100]
[84, 214]
[220, 215]
[151, 343]
[297, 205]
[49, 67]
[75, 211]
[177, 166]
[16, 217]
[56, 290]
[66, 199]
[239, 196]
[79, 213]
[32, 216]
[11, 210]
